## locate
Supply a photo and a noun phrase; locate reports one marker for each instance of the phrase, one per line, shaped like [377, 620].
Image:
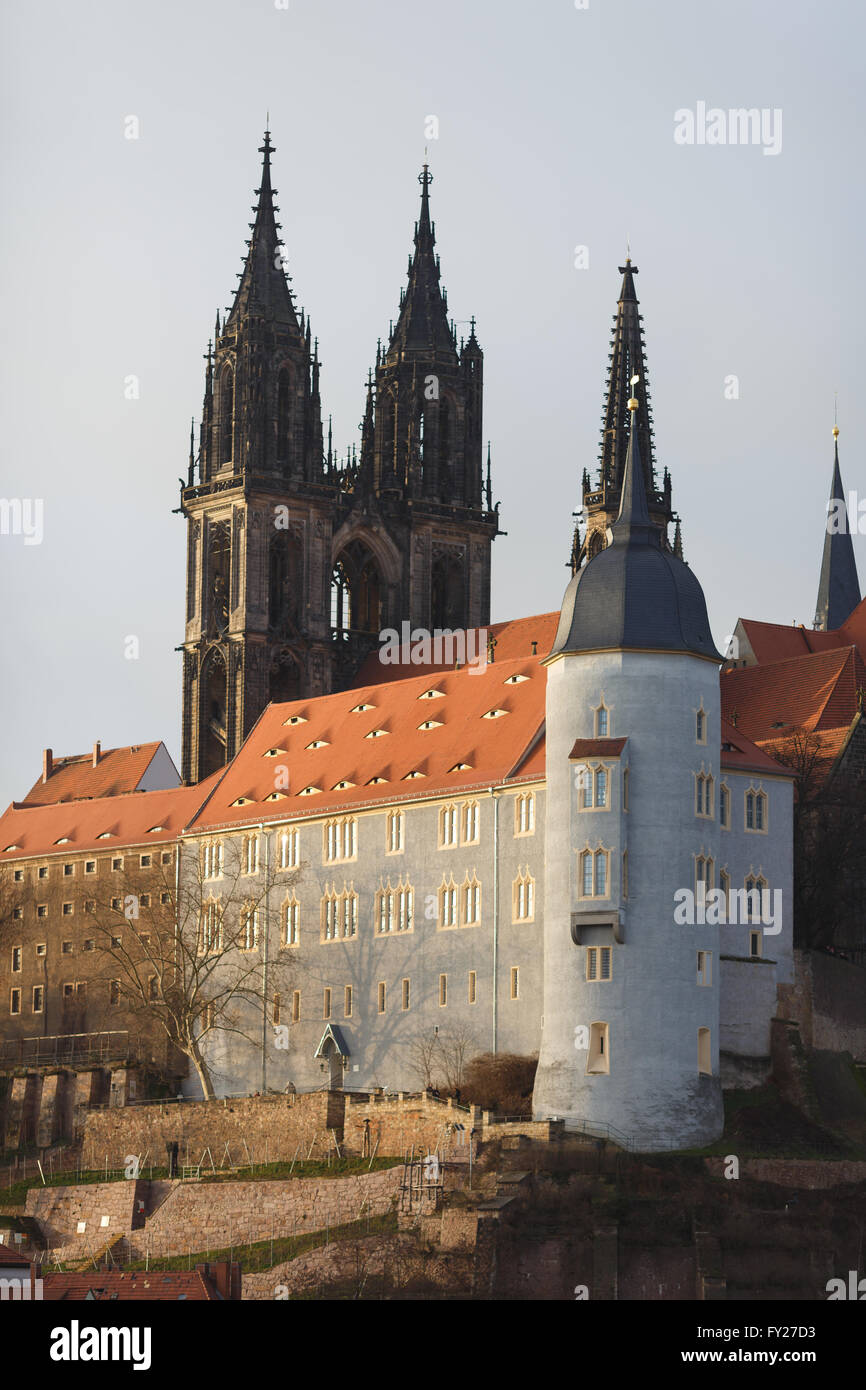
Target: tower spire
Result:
[263, 288]
[422, 324]
[838, 587]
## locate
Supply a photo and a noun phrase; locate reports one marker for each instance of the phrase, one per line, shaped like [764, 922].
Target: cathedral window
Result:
[340, 840]
[251, 854]
[210, 929]
[355, 591]
[700, 726]
[249, 934]
[725, 886]
[704, 795]
[599, 962]
[594, 873]
[704, 867]
[339, 915]
[705, 1060]
[593, 783]
[289, 843]
[724, 806]
[212, 859]
[290, 922]
[601, 721]
[447, 826]
[471, 902]
[394, 909]
[524, 814]
[395, 831]
[470, 823]
[756, 811]
[448, 903]
[523, 897]
[226, 414]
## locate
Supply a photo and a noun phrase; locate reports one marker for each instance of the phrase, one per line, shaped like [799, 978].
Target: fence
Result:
[68, 1048]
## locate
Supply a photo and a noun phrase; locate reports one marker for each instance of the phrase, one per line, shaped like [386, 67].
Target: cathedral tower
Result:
[258, 513]
[838, 587]
[296, 562]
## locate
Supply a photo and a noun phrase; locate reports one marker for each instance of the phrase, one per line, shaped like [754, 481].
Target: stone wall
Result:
[398, 1123]
[795, 1172]
[106, 1209]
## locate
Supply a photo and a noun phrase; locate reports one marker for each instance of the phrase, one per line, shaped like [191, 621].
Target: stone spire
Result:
[264, 288]
[839, 587]
[422, 325]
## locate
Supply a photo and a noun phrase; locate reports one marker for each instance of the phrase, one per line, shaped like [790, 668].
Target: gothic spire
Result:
[367, 435]
[626, 360]
[839, 587]
[422, 325]
[263, 287]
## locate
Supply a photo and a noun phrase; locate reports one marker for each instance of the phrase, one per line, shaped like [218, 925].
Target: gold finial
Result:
[633, 401]
[835, 414]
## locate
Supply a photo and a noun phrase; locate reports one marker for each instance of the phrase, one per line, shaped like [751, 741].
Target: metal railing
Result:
[67, 1048]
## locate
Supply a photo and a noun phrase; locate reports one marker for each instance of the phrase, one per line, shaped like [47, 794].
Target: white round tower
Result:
[630, 1030]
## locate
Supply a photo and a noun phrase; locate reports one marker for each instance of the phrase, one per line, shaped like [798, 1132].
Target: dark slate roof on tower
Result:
[627, 359]
[263, 287]
[633, 594]
[839, 587]
[423, 321]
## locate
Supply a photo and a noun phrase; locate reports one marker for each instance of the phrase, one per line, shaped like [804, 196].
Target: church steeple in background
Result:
[601, 498]
[839, 586]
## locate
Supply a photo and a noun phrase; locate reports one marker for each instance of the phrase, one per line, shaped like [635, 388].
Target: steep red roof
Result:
[775, 642]
[193, 1286]
[598, 747]
[462, 749]
[741, 755]
[809, 692]
[513, 641]
[118, 770]
[11, 1257]
[136, 819]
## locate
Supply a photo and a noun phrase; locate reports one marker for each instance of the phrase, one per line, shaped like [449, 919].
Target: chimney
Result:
[97, 749]
[47, 764]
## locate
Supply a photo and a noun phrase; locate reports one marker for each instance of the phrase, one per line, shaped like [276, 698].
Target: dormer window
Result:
[602, 722]
[376, 781]
[155, 829]
[276, 796]
[432, 695]
[376, 733]
[515, 680]
[494, 714]
[295, 719]
[342, 786]
[273, 752]
[410, 775]
[64, 840]
[318, 743]
[431, 724]
[361, 709]
[461, 767]
[309, 791]
[242, 801]
[106, 835]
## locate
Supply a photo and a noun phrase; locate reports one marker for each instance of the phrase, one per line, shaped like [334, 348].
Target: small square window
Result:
[41, 948]
[17, 913]
[165, 857]
[68, 870]
[68, 909]
[115, 941]
[145, 900]
[116, 864]
[18, 876]
[90, 905]
[67, 948]
[165, 898]
[90, 866]
[89, 945]
[68, 991]
[42, 871]
[42, 910]
[146, 860]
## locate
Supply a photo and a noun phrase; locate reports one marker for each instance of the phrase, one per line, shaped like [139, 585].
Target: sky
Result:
[549, 127]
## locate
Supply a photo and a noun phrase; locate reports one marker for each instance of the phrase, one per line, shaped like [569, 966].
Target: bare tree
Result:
[182, 953]
[424, 1056]
[455, 1050]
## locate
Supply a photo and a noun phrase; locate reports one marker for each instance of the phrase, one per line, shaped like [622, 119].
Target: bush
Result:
[500, 1082]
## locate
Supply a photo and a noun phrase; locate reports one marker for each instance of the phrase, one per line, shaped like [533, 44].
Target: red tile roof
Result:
[513, 639]
[100, 1286]
[12, 1257]
[809, 692]
[741, 755]
[462, 750]
[118, 770]
[598, 747]
[27, 830]
[775, 642]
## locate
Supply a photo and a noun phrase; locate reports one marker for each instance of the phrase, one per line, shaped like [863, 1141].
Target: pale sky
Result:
[556, 130]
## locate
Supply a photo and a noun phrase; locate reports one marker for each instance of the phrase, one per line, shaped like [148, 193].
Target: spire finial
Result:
[835, 414]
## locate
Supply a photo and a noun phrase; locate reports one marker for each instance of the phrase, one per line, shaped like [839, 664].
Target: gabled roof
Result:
[99, 1286]
[461, 750]
[117, 770]
[27, 831]
[776, 642]
[813, 692]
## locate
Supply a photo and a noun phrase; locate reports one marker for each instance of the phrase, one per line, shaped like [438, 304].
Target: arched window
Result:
[355, 591]
[595, 544]
[283, 413]
[227, 414]
[214, 690]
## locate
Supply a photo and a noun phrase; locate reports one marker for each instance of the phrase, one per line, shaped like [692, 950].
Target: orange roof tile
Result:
[26, 830]
[141, 1286]
[809, 692]
[741, 755]
[513, 639]
[776, 642]
[598, 747]
[118, 770]
[462, 750]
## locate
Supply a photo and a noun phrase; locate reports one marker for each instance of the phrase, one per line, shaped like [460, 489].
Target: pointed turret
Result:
[627, 359]
[263, 288]
[839, 587]
[422, 325]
